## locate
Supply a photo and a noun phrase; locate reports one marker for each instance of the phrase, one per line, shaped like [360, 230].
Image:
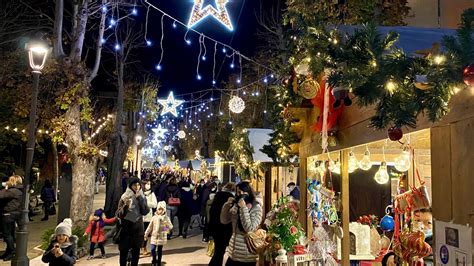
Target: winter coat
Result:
[152, 203]
[69, 249]
[185, 209]
[131, 218]
[48, 195]
[172, 191]
[216, 228]
[11, 199]
[250, 220]
[159, 228]
[295, 193]
[160, 191]
[97, 233]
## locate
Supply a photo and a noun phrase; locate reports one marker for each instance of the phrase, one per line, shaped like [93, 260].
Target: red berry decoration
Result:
[395, 133]
[468, 75]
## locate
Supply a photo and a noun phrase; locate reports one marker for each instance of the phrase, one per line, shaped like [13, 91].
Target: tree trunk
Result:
[79, 33]
[58, 29]
[83, 171]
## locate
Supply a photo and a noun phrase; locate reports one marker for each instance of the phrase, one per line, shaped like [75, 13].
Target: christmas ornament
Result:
[403, 161]
[287, 115]
[170, 105]
[395, 133]
[382, 176]
[333, 114]
[219, 12]
[366, 164]
[181, 134]
[309, 88]
[236, 105]
[159, 132]
[341, 95]
[468, 75]
[421, 82]
[353, 163]
[387, 223]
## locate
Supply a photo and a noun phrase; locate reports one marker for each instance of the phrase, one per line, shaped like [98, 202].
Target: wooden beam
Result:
[346, 243]
[303, 195]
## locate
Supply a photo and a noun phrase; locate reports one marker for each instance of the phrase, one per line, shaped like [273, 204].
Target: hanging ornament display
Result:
[468, 75]
[382, 176]
[181, 134]
[353, 163]
[403, 161]
[395, 133]
[170, 104]
[366, 164]
[308, 89]
[387, 223]
[341, 95]
[421, 82]
[236, 105]
[219, 12]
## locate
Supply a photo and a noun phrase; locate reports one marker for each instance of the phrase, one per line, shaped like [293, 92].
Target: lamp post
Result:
[138, 140]
[37, 52]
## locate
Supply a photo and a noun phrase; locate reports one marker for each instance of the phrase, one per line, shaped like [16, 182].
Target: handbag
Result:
[255, 241]
[52, 210]
[117, 232]
[211, 248]
[174, 201]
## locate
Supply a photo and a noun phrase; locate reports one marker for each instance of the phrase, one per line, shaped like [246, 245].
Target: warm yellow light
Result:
[390, 86]
[456, 90]
[439, 59]
[374, 63]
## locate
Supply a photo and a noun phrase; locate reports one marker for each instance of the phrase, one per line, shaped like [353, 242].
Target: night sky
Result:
[180, 59]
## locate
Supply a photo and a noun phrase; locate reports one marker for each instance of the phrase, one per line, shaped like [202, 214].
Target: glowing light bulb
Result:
[174, 24]
[365, 164]
[390, 86]
[158, 67]
[439, 59]
[238, 81]
[265, 80]
[353, 163]
[134, 11]
[188, 42]
[102, 41]
[148, 43]
[403, 162]
[232, 65]
[224, 50]
[113, 22]
[104, 8]
[382, 176]
[203, 58]
[117, 47]
[213, 82]
[335, 167]
[199, 77]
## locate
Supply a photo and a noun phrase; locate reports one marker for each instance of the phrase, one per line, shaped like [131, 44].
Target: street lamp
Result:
[138, 140]
[38, 51]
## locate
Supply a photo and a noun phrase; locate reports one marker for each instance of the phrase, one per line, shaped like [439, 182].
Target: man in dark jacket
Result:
[48, 197]
[208, 190]
[221, 233]
[10, 198]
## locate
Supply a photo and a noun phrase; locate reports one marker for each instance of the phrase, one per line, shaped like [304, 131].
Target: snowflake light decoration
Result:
[181, 134]
[199, 12]
[170, 104]
[236, 104]
[159, 132]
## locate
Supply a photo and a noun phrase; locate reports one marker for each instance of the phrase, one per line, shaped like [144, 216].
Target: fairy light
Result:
[439, 59]
[391, 86]
[161, 41]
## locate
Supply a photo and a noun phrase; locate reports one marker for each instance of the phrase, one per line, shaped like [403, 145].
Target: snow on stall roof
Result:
[411, 38]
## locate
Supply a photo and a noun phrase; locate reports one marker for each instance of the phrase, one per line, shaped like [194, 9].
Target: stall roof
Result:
[259, 137]
[411, 38]
[196, 164]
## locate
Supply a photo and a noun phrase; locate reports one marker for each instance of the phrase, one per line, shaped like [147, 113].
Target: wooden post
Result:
[303, 195]
[346, 243]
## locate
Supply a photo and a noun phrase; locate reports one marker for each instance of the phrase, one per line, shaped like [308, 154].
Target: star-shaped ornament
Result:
[170, 104]
[219, 12]
[159, 132]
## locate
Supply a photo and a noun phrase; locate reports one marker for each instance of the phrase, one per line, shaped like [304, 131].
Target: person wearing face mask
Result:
[185, 210]
[245, 213]
[294, 191]
[152, 203]
[221, 233]
[132, 207]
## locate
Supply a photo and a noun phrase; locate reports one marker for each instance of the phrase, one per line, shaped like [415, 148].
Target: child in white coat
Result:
[159, 228]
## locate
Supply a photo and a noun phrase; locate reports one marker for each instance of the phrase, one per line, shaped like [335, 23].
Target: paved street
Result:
[178, 251]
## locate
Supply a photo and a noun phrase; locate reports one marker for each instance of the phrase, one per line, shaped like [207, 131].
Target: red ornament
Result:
[395, 133]
[468, 75]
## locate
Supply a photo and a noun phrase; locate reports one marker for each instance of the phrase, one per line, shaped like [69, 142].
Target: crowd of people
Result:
[147, 211]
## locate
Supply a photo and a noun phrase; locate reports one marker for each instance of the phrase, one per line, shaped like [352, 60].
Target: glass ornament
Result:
[382, 176]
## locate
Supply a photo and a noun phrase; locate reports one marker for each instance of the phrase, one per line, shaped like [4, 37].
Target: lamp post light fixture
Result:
[138, 141]
[38, 51]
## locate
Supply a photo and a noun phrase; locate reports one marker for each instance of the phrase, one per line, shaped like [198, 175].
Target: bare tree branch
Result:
[98, 51]
[58, 29]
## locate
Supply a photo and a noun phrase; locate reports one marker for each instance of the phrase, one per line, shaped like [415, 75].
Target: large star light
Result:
[170, 104]
[159, 132]
[220, 13]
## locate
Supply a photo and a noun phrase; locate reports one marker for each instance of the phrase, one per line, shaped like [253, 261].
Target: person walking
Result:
[185, 209]
[152, 204]
[132, 206]
[62, 249]
[48, 197]
[208, 191]
[97, 233]
[245, 214]
[10, 199]
[221, 233]
[160, 225]
[173, 201]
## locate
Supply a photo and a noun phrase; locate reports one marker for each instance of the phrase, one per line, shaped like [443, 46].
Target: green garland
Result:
[241, 153]
[367, 63]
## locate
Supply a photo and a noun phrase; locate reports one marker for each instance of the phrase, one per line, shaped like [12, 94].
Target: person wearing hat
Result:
[159, 228]
[62, 250]
[97, 233]
[131, 209]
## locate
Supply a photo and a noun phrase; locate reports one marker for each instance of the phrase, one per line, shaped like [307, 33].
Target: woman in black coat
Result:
[221, 233]
[132, 207]
[48, 197]
[10, 200]
[172, 191]
[185, 209]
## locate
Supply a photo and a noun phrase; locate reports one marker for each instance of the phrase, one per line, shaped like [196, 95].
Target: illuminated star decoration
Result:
[159, 132]
[170, 104]
[199, 13]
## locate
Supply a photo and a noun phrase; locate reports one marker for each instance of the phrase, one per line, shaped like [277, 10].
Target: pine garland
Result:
[241, 153]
